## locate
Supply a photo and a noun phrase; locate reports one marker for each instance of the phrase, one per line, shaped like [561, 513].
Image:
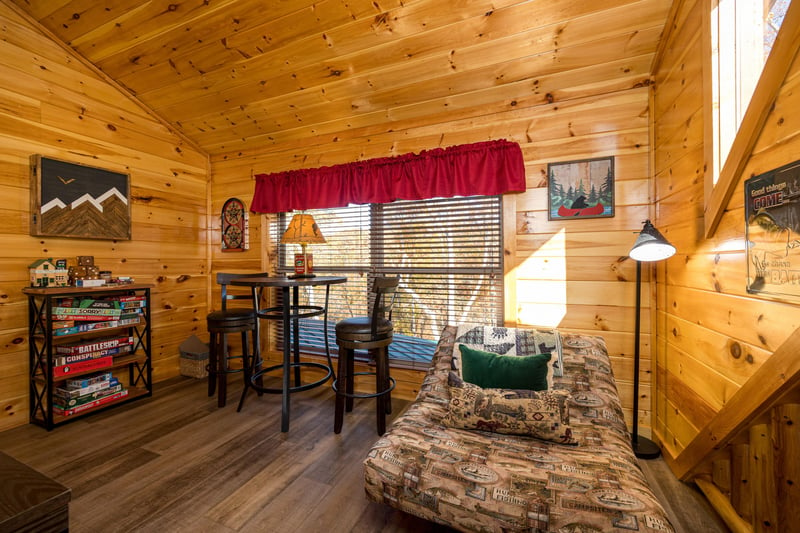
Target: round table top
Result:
[283, 281]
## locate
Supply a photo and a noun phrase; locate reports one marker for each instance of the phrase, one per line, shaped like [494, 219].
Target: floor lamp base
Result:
[645, 448]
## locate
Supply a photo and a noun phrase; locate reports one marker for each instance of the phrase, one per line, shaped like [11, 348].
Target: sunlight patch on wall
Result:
[542, 284]
[730, 245]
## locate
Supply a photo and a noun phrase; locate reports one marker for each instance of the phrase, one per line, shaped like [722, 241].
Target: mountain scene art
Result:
[79, 201]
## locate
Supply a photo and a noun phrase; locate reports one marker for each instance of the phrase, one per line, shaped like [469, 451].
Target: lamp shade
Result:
[650, 245]
[302, 230]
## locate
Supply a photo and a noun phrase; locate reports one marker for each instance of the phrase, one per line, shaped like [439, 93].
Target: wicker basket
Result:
[194, 358]
[194, 368]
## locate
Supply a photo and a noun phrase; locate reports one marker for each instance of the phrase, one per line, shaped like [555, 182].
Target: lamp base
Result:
[304, 265]
[644, 448]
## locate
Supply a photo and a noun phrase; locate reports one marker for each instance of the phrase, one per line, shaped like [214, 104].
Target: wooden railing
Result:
[747, 458]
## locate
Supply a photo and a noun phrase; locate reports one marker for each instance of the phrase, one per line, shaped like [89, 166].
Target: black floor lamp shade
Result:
[650, 245]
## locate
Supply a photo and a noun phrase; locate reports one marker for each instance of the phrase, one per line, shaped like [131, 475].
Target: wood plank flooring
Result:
[688, 509]
[175, 462]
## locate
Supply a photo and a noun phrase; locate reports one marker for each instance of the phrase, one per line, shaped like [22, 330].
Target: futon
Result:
[478, 459]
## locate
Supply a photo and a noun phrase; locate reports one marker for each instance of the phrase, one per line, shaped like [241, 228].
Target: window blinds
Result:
[448, 253]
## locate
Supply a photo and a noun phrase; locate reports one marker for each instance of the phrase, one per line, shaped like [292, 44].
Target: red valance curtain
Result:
[486, 168]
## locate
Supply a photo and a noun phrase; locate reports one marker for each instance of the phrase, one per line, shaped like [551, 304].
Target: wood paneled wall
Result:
[569, 274]
[579, 94]
[712, 335]
[52, 104]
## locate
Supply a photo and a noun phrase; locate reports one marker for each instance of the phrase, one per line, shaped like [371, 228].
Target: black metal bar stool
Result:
[222, 323]
[372, 333]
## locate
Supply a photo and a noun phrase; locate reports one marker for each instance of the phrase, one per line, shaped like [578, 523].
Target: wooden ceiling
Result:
[240, 74]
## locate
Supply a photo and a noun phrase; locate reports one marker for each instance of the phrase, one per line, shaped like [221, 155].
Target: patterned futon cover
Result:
[480, 481]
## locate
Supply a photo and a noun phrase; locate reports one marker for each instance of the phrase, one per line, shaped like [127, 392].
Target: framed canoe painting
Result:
[79, 201]
[580, 189]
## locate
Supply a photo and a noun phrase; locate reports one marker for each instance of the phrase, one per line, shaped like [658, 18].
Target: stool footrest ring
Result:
[296, 388]
[296, 311]
[392, 385]
[228, 371]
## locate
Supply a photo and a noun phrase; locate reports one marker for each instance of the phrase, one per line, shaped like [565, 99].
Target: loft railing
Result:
[746, 459]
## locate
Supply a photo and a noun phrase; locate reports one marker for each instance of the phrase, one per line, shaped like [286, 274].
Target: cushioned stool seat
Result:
[374, 334]
[361, 326]
[232, 317]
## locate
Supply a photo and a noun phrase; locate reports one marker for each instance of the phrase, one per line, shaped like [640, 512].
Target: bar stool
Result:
[222, 323]
[372, 333]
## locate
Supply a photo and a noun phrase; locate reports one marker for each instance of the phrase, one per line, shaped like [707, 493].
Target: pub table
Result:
[289, 312]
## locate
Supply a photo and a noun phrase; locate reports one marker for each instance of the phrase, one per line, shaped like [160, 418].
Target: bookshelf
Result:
[119, 346]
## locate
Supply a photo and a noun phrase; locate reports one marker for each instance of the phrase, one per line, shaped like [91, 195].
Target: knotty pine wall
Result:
[51, 104]
[573, 275]
[712, 335]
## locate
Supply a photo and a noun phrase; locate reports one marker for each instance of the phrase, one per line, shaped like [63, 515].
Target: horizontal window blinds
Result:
[448, 253]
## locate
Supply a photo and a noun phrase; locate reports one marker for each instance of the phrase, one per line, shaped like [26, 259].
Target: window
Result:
[748, 51]
[742, 33]
[448, 253]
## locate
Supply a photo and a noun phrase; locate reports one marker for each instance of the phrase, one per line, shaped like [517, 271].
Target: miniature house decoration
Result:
[45, 273]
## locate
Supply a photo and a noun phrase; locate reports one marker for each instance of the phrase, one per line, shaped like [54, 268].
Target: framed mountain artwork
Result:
[580, 189]
[79, 201]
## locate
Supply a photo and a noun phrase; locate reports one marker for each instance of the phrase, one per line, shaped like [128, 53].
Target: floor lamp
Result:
[650, 246]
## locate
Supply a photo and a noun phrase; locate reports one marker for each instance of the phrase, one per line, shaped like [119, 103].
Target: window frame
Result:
[374, 256]
[717, 195]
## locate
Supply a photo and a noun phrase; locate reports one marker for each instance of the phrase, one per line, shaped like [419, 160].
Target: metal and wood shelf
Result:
[42, 343]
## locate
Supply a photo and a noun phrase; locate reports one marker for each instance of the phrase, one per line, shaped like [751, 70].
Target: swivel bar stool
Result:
[372, 333]
[221, 323]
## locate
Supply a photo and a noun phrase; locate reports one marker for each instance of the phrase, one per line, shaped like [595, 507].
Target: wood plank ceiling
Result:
[245, 74]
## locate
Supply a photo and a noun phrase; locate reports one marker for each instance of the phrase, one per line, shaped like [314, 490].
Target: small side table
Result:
[31, 501]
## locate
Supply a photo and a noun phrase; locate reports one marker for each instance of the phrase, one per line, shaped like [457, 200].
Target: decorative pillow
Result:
[534, 340]
[491, 370]
[540, 414]
[512, 341]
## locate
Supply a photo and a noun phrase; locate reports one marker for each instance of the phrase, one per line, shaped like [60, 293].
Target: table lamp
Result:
[650, 245]
[303, 230]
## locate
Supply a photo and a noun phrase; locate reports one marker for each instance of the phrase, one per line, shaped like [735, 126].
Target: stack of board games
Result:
[79, 315]
[89, 354]
[80, 394]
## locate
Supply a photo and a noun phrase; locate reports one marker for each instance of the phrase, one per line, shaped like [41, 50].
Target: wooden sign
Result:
[78, 201]
[772, 213]
[235, 226]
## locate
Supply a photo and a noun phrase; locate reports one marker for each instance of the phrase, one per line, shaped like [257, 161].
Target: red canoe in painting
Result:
[596, 209]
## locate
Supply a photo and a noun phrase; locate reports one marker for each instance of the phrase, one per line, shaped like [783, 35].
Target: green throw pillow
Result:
[494, 371]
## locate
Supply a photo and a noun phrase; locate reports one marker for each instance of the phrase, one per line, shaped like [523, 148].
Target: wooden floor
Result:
[175, 462]
[686, 506]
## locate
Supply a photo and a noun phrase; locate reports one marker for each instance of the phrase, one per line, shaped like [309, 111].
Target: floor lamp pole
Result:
[643, 448]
